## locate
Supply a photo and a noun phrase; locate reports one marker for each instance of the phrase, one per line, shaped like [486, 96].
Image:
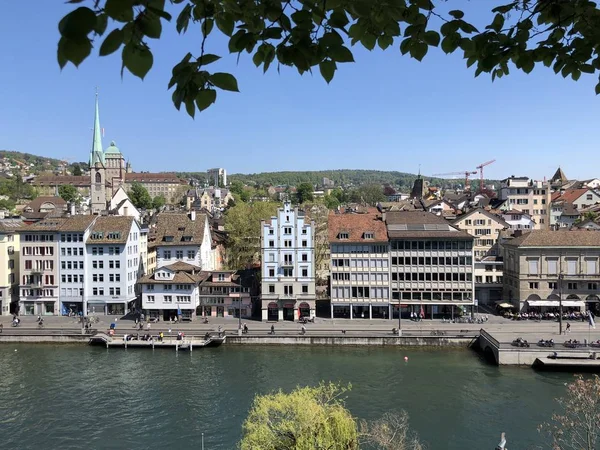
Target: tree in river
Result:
[577, 425]
[314, 33]
[310, 418]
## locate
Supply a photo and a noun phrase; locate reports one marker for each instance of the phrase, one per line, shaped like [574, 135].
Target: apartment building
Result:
[9, 265]
[431, 265]
[542, 268]
[222, 294]
[529, 196]
[73, 235]
[172, 292]
[182, 237]
[113, 265]
[288, 269]
[359, 266]
[485, 227]
[38, 267]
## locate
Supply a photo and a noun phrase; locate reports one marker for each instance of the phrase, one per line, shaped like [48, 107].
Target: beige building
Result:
[485, 227]
[543, 267]
[210, 199]
[529, 196]
[9, 265]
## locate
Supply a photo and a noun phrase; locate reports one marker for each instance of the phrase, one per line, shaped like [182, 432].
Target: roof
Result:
[560, 238]
[486, 213]
[112, 149]
[110, 230]
[356, 225]
[36, 204]
[146, 177]
[421, 224]
[178, 278]
[569, 209]
[47, 224]
[559, 176]
[59, 180]
[182, 267]
[78, 223]
[515, 212]
[8, 225]
[571, 195]
[171, 228]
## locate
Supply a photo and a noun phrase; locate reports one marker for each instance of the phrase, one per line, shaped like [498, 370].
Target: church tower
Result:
[97, 168]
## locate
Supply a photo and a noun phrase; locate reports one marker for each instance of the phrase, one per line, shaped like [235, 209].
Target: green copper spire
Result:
[97, 155]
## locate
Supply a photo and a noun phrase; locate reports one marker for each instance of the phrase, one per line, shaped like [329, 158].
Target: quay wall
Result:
[44, 339]
[432, 341]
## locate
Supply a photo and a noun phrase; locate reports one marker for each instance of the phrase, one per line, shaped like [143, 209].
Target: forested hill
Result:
[342, 177]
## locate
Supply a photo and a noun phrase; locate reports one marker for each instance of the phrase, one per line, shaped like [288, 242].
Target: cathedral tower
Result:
[97, 168]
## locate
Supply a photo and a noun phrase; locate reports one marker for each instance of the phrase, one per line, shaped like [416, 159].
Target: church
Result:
[109, 172]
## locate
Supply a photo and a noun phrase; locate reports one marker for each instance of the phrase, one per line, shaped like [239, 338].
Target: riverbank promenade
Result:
[504, 330]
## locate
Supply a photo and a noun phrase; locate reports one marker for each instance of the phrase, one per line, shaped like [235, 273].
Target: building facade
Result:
[542, 268]
[431, 265]
[288, 269]
[223, 295]
[9, 265]
[360, 261]
[529, 196]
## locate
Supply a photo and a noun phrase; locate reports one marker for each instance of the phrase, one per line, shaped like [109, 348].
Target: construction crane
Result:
[480, 167]
[466, 174]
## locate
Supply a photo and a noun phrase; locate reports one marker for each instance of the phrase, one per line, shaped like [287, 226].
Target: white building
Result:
[113, 257]
[172, 291]
[288, 269]
[182, 237]
[518, 220]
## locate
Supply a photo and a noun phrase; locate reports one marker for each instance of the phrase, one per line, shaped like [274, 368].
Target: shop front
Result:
[288, 311]
[272, 312]
[71, 308]
[304, 310]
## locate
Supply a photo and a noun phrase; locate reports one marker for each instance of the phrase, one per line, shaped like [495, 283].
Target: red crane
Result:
[480, 167]
[466, 174]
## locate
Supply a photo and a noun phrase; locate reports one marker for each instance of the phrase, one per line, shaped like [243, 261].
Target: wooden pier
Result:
[189, 343]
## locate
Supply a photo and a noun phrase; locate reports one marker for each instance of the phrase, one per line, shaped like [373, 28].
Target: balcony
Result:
[287, 263]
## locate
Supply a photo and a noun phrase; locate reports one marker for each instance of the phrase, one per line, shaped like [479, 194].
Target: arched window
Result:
[98, 177]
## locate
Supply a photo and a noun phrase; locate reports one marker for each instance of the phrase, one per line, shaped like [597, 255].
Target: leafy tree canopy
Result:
[307, 34]
[304, 192]
[69, 193]
[158, 202]
[77, 170]
[369, 194]
[139, 196]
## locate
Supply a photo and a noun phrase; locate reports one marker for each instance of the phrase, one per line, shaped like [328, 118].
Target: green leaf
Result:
[160, 12]
[112, 42]
[205, 98]
[258, 57]
[576, 74]
[224, 81]
[450, 43]
[74, 51]
[101, 24]
[207, 59]
[150, 25]
[190, 107]
[183, 19]
[385, 41]
[340, 54]
[424, 4]
[60, 54]
[467, 44]
[120, 10]
[368, 41]
[338, 19]
[598, 89]
[137, 59]
[269, 53]
[497, 23]
[457, 14]
[587, 68]
[418, 50]
[207, 26]
[432, 38]
[77, 24]
[527, 65]
[327, 69]
[405, 46]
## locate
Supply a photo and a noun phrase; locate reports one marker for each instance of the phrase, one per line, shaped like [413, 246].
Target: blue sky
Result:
[386, 111]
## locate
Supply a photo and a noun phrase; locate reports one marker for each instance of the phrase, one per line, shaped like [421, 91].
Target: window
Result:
[593, 286]
[488, 279]
[287, 230]
[533, 285]
[167, 254]
[304, 272]
[304, 257]
[552, 285]
[271, 272]
[572, 286]
[191, 254]
[271, 243]
[168, 299]
[150, 298]
[179, 254]
[271, 289]
[305, 288]
[478, 279]
[288, 290]
[288, 272]
[271, 231]
[552, 266]
[533, 267]
[571, 266]
[304, 243]
[591, 266]
[343, 235]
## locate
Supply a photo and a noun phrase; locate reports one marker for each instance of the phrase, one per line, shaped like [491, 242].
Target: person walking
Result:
[568, 329]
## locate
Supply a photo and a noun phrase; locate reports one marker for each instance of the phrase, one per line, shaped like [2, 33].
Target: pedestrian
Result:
[568, 330]
[272, 329]
[148, 326]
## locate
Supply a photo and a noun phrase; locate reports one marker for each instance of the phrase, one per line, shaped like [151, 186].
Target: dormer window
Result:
[221, 277]
[181, 229]
[113, 235]
[186, 238]
[168, 239]
[344, 235]
[97, 235]
[368, 235]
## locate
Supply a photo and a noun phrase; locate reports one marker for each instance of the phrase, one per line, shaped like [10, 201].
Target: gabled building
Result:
[360, 285]
[579, 198]
[42, 207]
[9, 265]
[288, 266]
[222, 294]
[528, 196]
[182, 237]
[518, 220]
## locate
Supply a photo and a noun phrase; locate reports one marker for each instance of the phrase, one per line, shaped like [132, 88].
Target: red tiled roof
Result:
[571, 195]
[356, 225]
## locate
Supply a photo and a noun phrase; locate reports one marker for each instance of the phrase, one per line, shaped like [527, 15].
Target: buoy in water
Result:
[406, 359]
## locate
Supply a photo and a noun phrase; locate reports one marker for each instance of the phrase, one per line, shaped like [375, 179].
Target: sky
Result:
[385, 111]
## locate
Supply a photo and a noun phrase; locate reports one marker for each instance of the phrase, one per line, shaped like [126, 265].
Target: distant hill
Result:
[40, 163]
[341, 177]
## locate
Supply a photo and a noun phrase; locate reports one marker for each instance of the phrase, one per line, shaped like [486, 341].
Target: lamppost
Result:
[560, 306]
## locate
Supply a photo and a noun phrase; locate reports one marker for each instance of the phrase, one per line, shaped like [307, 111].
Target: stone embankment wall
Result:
[351, 341]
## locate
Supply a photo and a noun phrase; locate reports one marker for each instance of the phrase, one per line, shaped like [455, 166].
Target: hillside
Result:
[27, 163]
[342, 177]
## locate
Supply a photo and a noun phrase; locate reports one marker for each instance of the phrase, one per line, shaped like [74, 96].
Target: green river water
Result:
[70, 397]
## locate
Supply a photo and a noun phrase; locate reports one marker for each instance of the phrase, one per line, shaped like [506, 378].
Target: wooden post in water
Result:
[191, 346]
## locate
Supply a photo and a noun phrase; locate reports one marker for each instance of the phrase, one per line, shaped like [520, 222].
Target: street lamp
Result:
[560, 306]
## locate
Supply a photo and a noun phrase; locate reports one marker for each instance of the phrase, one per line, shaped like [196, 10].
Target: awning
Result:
[505, 305]
[556, 303]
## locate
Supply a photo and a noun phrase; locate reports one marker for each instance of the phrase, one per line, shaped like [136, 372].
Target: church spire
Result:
[97, 155]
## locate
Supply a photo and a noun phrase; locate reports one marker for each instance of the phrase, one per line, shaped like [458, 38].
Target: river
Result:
[70, 397]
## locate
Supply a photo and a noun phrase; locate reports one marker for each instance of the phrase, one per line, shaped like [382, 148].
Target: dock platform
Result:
[189, 343]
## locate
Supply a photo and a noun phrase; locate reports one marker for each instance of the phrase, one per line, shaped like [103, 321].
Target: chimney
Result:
[383, 217]
[125, 211]
[193, 216]
[72, 209]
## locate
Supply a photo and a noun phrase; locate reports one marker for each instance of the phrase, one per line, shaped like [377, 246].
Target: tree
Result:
[236, 187]
[390, 432]
[331, 202]
[139, 196]
[242, 224]
[304, 192]
[158, 202]
[313, 33]
[369, 194]
[577, 426]
[588, 215]
[305, 419]
[69, 193]
[7, 204]
[77, 170]
[388, 190]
